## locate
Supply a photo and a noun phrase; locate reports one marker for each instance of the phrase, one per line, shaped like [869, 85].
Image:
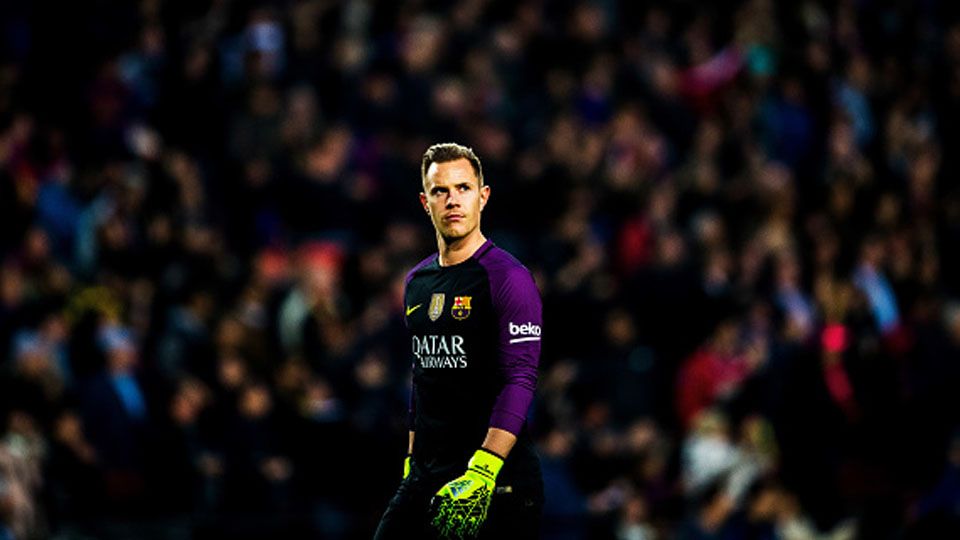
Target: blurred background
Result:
[743, 217]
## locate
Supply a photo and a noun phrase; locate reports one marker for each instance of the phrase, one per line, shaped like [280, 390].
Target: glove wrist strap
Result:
[486, 463]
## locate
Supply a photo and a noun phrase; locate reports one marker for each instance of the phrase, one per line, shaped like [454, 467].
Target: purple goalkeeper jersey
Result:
[475, 331]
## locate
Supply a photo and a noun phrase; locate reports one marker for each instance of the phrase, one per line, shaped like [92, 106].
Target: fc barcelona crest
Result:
[436, 306]
[461, 307]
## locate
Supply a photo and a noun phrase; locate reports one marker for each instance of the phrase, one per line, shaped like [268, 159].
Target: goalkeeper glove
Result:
[406, 467]
[460, 507]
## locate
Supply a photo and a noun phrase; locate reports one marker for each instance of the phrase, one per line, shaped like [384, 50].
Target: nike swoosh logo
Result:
[412, 309]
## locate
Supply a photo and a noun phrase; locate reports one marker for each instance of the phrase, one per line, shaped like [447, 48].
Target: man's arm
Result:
[411, 413]
[406, 460]
[499, 441]
[520, 316]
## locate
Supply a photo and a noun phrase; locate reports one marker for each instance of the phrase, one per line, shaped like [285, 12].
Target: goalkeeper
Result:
[474, 316]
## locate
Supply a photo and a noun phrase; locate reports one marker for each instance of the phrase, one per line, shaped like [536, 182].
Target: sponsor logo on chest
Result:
[433, 351]
[443, 351]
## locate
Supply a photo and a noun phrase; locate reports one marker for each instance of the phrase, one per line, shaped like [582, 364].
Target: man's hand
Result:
[460, 507]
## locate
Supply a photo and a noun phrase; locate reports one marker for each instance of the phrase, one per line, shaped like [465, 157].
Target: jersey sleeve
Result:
[519, 320]
[412, 403]
[412, 408]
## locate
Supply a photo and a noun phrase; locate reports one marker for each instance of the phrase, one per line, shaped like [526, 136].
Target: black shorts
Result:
[513, 515]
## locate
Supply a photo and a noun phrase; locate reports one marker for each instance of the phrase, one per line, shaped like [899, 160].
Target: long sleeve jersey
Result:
[475, 331]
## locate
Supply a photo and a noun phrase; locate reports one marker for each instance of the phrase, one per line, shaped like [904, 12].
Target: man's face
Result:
[453, 198]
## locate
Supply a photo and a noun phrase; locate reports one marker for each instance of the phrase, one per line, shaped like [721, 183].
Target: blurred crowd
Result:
[742, 215]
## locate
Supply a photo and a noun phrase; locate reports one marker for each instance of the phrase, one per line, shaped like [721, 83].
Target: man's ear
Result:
[423, 202]
[484, 195]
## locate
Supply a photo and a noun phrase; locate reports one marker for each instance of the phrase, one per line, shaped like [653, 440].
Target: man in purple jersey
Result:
[475, 316]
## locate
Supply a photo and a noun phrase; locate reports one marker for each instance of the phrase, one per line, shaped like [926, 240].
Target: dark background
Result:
[743, 217]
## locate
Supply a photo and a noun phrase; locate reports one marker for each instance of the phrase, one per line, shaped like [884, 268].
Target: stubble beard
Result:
[449, 236]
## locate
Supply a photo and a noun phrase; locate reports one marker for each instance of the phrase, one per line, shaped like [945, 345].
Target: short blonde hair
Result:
[444, 152]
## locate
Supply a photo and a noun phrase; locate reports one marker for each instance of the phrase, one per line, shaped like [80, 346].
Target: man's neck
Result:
[459, 250]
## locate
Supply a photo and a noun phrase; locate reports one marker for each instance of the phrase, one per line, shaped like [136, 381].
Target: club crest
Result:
[461, 307]
[436, 306]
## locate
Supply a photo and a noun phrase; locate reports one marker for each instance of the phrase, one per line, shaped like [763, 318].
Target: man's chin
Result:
[451, 236]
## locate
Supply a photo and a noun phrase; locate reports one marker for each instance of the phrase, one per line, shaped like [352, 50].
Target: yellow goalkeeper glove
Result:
[460, 507]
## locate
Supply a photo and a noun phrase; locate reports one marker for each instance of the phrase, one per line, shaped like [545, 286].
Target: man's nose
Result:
[453, 199]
